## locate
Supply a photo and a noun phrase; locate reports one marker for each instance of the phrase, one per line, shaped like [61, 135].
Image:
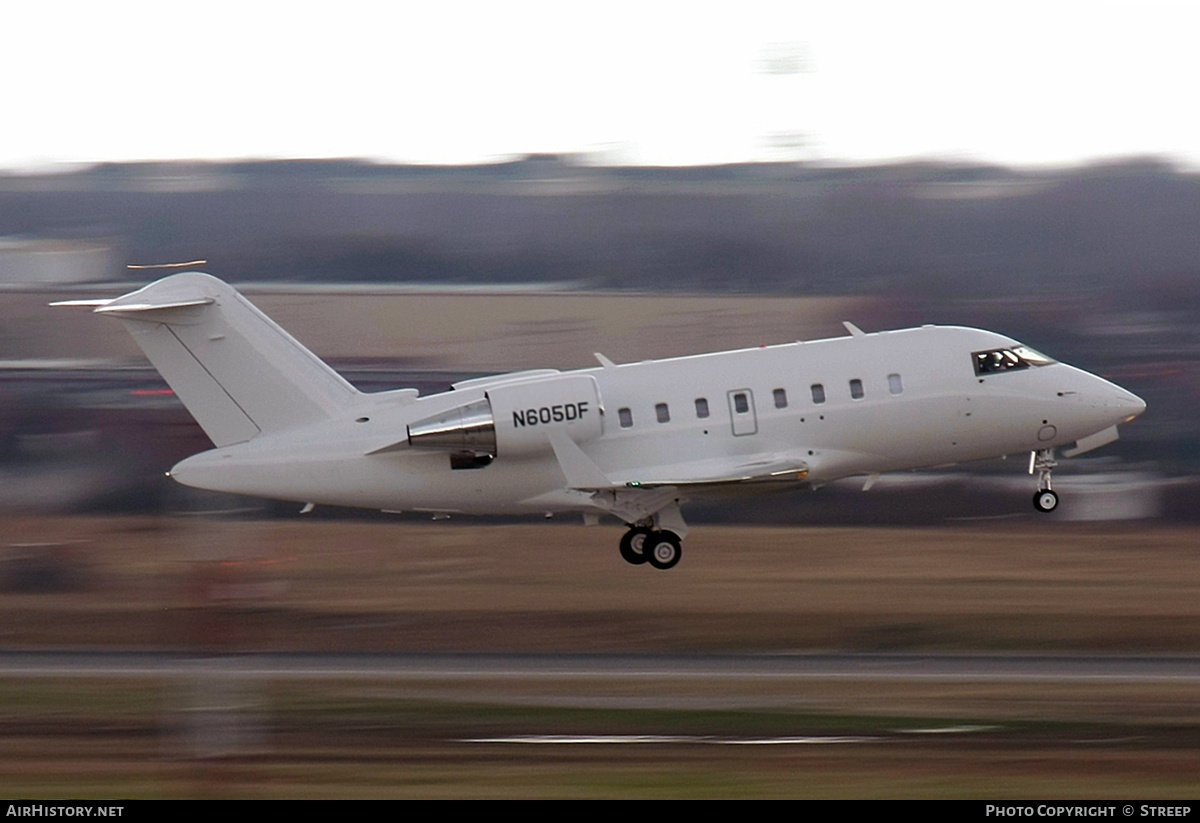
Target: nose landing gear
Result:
[1042, 463]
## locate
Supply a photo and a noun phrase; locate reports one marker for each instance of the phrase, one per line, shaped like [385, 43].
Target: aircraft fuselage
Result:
[889, 401]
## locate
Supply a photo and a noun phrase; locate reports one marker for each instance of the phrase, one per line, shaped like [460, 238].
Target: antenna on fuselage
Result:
[854, 330]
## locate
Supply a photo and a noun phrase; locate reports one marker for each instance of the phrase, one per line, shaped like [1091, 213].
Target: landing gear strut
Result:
[1042, 463]
[642, 544]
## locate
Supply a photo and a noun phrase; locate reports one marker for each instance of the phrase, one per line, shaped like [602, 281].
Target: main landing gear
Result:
[642, 544]
[1042, 463]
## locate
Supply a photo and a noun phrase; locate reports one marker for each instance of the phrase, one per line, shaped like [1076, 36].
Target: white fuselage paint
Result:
[943, 413]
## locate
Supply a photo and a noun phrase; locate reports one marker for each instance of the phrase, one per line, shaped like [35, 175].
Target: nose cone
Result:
[1130, 404]
[1091, 403]
[1114, 403]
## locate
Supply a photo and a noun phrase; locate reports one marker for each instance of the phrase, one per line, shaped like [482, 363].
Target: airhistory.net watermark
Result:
[51, 810]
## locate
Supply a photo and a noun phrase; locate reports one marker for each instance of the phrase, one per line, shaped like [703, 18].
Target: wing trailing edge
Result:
[583, 474]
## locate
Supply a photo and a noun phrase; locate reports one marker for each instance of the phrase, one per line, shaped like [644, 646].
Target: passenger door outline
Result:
[742, 422]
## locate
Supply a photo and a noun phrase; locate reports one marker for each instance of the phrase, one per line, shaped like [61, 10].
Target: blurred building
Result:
[52, 260]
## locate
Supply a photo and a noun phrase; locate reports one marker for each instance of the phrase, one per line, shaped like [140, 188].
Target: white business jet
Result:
[633, 440]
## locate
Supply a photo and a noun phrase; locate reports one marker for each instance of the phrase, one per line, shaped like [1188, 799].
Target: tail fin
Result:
[235, 370]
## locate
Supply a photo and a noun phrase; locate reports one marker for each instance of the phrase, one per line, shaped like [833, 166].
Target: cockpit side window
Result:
[998, 360]
[1032, 357]
[1001, 360]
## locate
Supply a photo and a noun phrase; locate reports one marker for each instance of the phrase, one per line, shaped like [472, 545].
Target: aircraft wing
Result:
[762, 468]
[583, 474]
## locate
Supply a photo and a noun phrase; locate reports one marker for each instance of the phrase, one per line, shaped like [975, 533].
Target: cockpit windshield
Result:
[1000, 360]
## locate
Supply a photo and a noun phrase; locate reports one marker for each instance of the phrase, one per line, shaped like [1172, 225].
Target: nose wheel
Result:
[1042, 463]
[1045, 500]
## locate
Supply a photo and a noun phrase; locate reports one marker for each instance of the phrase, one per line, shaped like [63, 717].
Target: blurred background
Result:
[419, 195]
[403, 275]
[424, 195]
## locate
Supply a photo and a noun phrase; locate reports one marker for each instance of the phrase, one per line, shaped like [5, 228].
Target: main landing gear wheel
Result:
[1045, 500]
[663, 549]
[633, 545]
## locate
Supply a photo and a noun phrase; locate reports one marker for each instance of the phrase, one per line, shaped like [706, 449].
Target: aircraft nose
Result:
[1117, 403]
[1131, 403]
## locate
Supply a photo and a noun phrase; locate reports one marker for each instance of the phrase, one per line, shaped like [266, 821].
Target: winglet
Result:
[581, 472]
[854, 330]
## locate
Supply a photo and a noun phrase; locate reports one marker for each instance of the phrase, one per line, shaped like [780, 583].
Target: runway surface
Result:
[466, 667]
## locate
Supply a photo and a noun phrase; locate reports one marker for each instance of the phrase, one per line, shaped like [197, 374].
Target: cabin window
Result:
[626, 417]
[740, 404]
[856, 389]
[818, 393]
[895, 385]
[780, 399]
[702, 407]
[662, 413]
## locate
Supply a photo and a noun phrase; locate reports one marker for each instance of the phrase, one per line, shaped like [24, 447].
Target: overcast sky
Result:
[1016, 82]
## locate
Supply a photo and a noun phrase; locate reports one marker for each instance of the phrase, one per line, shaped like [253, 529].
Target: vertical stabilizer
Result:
[235, 370]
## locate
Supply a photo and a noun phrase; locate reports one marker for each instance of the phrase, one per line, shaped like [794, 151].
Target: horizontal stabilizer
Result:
[180, 292]
[90, 303]
[133, 308]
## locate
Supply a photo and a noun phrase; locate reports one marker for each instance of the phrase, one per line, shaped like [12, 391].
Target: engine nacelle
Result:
[513, 419]
[524, 412]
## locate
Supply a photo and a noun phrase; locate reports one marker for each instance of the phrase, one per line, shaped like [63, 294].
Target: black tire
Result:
[633, 545]
[1045, 500]
[663, 549]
